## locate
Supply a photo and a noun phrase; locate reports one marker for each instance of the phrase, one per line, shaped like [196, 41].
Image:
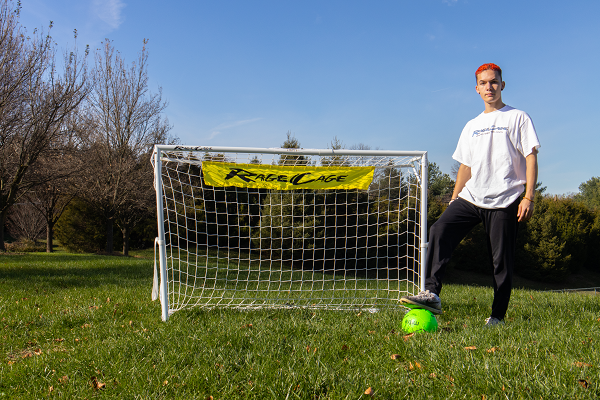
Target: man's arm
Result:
[462, 176]
[526, 205]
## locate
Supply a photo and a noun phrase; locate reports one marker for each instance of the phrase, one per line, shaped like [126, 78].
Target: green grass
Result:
[68, 321]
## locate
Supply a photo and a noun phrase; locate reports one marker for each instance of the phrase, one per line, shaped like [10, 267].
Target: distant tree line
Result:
[75, 140]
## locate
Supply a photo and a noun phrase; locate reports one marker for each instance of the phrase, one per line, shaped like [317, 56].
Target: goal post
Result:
[314, 228]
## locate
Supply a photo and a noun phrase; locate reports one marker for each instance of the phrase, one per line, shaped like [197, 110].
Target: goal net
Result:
[253, 227]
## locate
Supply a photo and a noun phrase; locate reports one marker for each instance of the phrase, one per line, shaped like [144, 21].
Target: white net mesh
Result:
[246, 247]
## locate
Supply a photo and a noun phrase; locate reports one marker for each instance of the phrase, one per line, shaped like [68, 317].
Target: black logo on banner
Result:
[298, 179]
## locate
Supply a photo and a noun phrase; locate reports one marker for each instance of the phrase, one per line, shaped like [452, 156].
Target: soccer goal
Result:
[282, 228]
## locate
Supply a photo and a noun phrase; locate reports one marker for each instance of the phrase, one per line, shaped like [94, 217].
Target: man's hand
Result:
[525, 210]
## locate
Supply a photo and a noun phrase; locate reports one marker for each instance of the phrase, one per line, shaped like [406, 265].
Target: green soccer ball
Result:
[418, 320]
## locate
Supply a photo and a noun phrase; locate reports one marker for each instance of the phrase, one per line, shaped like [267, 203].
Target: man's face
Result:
[489, 86]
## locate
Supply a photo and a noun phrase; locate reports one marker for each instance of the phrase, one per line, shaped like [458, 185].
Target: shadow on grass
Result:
[73, 270]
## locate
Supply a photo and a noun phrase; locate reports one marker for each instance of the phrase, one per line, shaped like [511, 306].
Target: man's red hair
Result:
[491, 66]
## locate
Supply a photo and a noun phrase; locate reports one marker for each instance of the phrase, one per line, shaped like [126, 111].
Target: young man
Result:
[497, 151]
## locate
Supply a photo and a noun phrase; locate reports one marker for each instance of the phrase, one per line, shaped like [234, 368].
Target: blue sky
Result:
[396, 75]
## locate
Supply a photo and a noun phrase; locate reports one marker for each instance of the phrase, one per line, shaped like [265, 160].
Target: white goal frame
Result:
[191, 275]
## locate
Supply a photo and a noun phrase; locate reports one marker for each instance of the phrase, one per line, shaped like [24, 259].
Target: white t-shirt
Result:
[494, 146]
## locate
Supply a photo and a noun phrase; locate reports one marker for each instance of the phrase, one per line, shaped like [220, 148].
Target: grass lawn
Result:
[79, 326]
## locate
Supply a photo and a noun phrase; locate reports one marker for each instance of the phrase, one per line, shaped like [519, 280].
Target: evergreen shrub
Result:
[81, 228]
[561, 238]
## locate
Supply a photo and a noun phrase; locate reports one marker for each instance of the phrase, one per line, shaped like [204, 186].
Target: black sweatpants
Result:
[454, 224]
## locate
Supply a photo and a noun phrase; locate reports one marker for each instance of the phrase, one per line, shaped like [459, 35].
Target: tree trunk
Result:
[2, 220]
[49, 237]
[109, 235]
[125, 231]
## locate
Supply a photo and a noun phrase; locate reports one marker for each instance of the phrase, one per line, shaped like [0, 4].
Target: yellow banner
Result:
[286, 177]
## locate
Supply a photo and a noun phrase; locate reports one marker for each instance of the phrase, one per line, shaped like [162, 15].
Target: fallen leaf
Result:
[414, 366]
[492, 350]
[130, 323]
[86, 326]
[96, 384]
[451, 379]
[209, 398]
[59, 340]
[64, 379]
[406, 337]
[432, 375]
[471, 348]
[344, 347]
[370, 392]
[51, 389]
[30, 353]
[395, 356]
[581, 364]
[584, 384]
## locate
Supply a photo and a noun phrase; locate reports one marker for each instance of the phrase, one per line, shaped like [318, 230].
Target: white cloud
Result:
[228, 125]
[214, 134]
[109, 11]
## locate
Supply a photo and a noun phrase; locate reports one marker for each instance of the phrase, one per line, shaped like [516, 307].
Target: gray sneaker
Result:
[425, 299]
[491, 321]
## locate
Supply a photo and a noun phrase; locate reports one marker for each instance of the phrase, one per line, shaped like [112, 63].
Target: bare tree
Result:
[132, 212]
[126, 121]
[57, 172]
[35, 100]
[56, 190]
[25, 222]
